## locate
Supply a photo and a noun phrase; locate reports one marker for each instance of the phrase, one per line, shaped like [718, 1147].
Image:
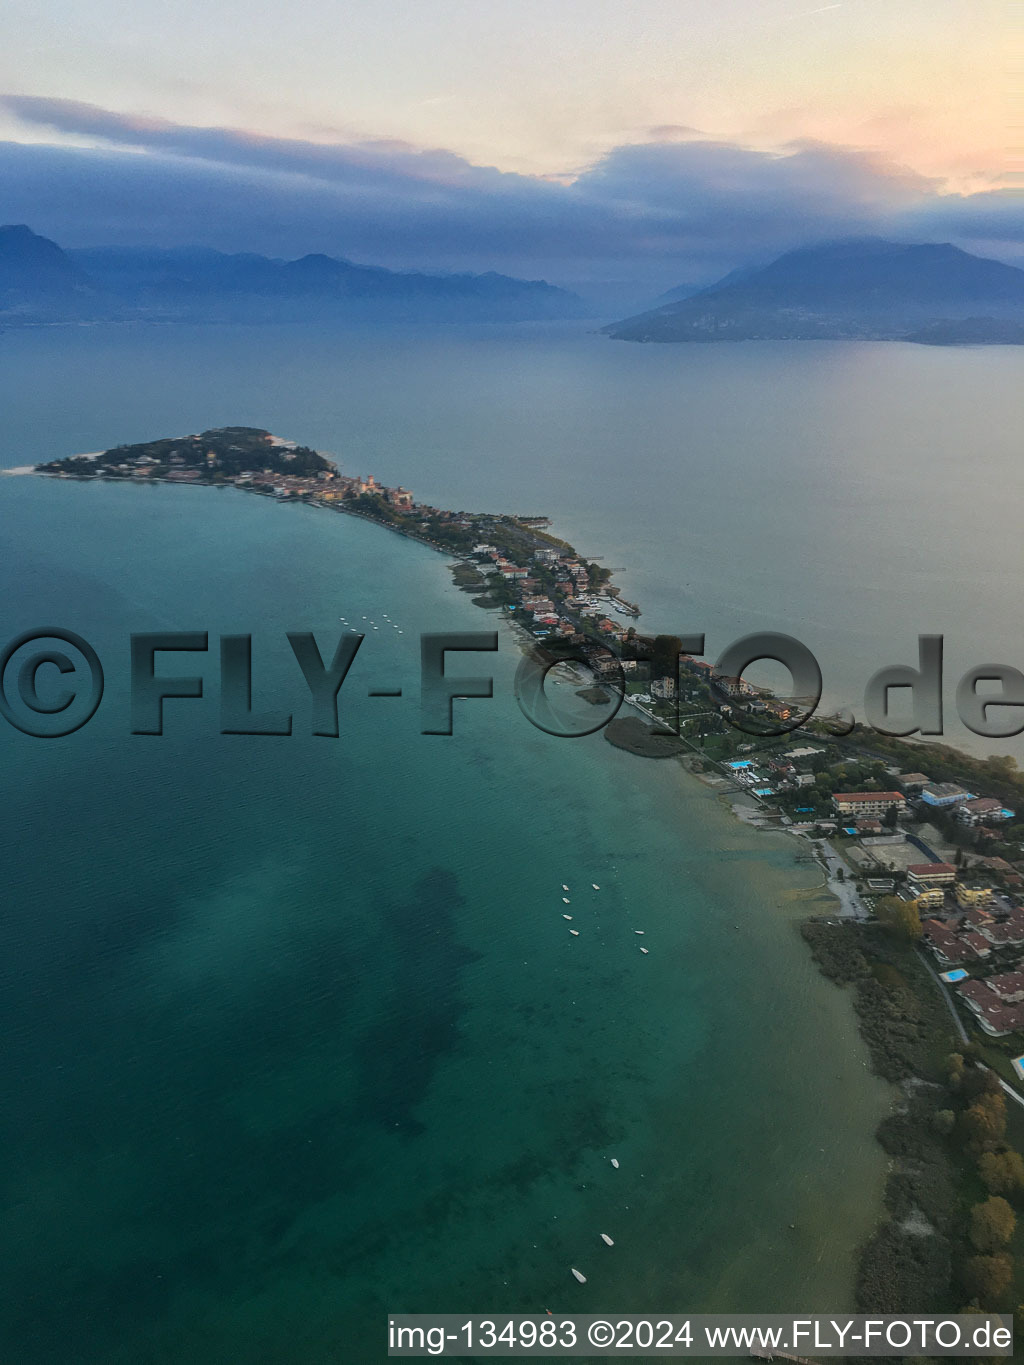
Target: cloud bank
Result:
[678, 205]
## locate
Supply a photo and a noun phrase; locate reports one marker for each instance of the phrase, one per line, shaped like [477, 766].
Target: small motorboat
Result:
[615, 1162]
[564, 887]
[645, 951]
[638, 931]
[567, 916]
[595, 886]
[575, 933]
[607, 1240]
[565, 900]
[579, 1274]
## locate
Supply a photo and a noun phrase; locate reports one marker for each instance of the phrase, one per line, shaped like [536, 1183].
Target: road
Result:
[957, 1021]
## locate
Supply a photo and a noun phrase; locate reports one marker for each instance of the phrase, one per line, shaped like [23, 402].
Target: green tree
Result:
[992, 1224]
[944, 1121]
[1002, 1172]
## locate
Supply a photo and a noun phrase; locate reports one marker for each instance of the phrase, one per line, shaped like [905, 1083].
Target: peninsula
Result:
[927, 867]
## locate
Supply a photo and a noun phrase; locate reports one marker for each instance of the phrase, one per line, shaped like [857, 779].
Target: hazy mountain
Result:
[37, 277]
[200, 283]
[863, 288]
[39, 281]
[681, 291]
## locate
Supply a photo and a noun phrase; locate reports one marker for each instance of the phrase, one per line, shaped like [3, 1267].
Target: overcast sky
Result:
[659, 139]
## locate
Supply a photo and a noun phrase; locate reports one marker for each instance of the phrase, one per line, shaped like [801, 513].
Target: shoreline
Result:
[848, 906]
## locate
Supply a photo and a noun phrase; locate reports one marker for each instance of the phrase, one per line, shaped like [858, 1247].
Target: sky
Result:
[603, 139]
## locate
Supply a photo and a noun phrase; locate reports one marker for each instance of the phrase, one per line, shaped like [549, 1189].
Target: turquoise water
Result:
[295, 1033]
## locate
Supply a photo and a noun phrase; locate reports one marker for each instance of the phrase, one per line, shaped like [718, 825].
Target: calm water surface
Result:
[295, 1031]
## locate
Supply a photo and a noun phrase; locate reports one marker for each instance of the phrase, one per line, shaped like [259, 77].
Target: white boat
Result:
[638, 931]
[645, 950]
[595, 886]
[607, 1240]
[564, 887]
[567, 916]
[566, 900]
[579, 1274]
[575, 933]
[615, 1163]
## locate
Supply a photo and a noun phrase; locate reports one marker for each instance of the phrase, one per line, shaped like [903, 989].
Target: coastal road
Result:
[957, 1021]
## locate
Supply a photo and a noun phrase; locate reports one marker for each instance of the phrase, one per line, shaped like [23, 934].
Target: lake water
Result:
[295, 1033]
[853, 495]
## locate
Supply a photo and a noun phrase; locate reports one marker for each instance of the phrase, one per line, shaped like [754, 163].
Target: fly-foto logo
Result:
[52, 683]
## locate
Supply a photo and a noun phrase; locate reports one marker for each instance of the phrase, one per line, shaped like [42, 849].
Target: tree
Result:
[992, 1224]
[665, 655]
[977, 1080]
[1002, 1172]
[984, 1123]
[890, 817]
[944, 1121]
[955, 1070]
[987, 1278]
[901, 917]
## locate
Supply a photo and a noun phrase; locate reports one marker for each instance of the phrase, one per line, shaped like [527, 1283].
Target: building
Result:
[931, 874]
[1009, 986]
[930, 898]
[995, 1016]
[982, 810]
[867, 825]
[948, 947]
[971, 895]
[663, 689]
[736, 687]
[913, 782]
[1008, 934]
[944, 794]
[978, 944]
[868, 803]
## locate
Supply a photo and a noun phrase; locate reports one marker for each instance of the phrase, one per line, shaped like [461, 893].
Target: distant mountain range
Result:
[866, 288]
[39, 282]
